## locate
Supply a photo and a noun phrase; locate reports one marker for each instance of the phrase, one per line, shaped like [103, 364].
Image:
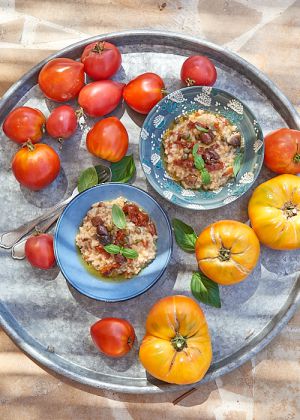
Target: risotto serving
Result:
[200, 148]
[117, 238]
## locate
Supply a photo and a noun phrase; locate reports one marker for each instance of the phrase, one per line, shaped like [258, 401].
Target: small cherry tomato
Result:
[143, 92]
[23, 124]
[62, 122]
[39, 251]
[282, 151]
[198, 70]
[108, 139]
[61, 79]
[113, 336]
[101, 60]
[36, 166]
[100, 98]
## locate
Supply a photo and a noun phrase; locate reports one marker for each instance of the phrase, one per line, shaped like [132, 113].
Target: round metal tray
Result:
[50, 321]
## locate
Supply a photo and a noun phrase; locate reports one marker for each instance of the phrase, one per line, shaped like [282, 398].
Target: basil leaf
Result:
[200, 128]
[205, 176]
[118, 216]
[112, 249]
[237, 163]
[129, 253]
[205, 290]
[198, 160]
[123, 170]
[87, 179]
[184, 235]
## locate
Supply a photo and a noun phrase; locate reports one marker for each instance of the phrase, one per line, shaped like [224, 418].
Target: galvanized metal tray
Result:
[50, 321]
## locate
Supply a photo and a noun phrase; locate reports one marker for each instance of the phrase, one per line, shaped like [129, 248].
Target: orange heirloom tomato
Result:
[108, 139]
[227, 251]
[274, 211]
[176, 347]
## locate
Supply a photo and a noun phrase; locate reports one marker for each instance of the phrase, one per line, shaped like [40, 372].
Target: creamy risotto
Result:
[217, 141]
[98, 232]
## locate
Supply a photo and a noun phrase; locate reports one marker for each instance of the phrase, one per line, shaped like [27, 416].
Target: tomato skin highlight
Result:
[144, 92]
[100, 98]
[23, 124]
[36, 166]
[108, 139]
[39, 251]
[101, 60]
[61, 79]
[113, 336]
[198, 70]
[62, 122]
[282, 151]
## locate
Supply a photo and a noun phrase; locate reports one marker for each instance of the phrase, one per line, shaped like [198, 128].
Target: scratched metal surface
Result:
[39, 309]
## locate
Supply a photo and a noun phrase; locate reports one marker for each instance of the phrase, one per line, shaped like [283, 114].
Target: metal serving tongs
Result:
[9, 239]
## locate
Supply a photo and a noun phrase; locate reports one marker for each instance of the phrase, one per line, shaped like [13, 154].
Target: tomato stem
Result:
[189, 81]
[29, 145]
[164, 92]
[224, 254]
[296, 158]
[290, 209]
[179, 342]
[99, 47]
[79, 113]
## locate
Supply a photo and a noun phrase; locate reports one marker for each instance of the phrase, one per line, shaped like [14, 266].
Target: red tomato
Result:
[100, 98]
[282, 151]
[198, 70]
[39, 251]
[23, 124]
[101, 60]
[143, 92]
[108, 139]
[61, 79]
[113, 336]
[36, 166]
[62, 122]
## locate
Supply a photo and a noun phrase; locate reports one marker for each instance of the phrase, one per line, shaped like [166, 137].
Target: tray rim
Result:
[48, 360]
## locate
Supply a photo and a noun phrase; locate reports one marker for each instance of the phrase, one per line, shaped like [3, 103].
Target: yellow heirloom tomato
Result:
[274, 211]
[177, 346]
[227, 251]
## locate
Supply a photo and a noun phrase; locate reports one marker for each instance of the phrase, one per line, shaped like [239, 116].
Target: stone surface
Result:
[266, 34]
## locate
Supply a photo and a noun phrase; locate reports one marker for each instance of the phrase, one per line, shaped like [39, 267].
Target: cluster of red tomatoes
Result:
[36, 165]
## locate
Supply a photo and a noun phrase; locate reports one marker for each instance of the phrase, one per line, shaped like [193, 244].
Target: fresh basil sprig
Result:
[118, 216]
[123, 170]
[237, 163]
[185, 235]
[87, 179]
[126, 252]
[200, 165]
[202, 129]
[205, 290]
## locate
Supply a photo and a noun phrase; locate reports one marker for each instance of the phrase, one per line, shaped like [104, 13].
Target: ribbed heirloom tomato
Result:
[108, 139]
[227, 251]
[176, 347]
[274, 211]
[61, 79]
[143, 92]
[36, 166]
[23, 124]
[101, 60]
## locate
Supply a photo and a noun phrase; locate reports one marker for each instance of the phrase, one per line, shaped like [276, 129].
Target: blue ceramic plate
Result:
[68, 257]
[185, 101]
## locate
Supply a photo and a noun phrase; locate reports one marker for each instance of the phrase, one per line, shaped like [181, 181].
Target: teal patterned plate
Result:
[185, 101]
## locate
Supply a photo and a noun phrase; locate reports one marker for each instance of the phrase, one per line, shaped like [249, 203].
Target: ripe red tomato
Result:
[143, 92]
[198, 70]
[36, 166]
[62, 122]
[113, 336]
[108, 139]
[101, 60]
[23, 124]
[282, 151]
[61, 79]
[100, 98]
[39, 251]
